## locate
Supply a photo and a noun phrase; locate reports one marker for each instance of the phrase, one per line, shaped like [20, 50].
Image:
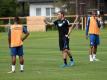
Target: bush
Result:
[3, 29]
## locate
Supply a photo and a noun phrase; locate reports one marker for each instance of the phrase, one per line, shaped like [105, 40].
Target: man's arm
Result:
[25, 36]
[98, 22]
[71, 27]
[9, 35]
[87, 27]
[48, 23]
[26, 33]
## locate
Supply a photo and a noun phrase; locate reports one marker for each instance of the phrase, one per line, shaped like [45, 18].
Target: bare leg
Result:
[91, 53]
[91, 50]
[94, 52]
[64, 53]
[21, 59]
[13, 60]
[13, 64]
[70, 55]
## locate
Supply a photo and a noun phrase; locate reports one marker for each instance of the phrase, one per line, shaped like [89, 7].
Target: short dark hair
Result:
[17, 19]
[62, 12]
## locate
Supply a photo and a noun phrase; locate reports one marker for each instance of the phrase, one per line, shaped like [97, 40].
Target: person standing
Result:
[93, 28]
[15, 39]
[64, 29]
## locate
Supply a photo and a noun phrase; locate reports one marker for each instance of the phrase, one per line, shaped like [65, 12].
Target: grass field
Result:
[43, 58]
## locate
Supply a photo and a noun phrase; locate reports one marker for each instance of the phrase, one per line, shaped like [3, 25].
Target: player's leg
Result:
[69, 54]
[91, 53]
[66, 46]
[13, 63]
[64, 53]
[21, 58]
[92, 43]
[13, 56]
[97, 42]
[71, 58]
[94, 52]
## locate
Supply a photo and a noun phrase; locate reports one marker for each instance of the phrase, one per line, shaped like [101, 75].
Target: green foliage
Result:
[7, 8]
[66, 5]
[12, 8]
[2, 29]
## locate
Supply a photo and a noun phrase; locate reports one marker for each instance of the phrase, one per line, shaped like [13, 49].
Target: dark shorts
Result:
[17, 51]
[64, 43]
[94, 40]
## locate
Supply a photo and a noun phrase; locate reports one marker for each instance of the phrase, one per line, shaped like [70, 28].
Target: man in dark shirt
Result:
[64, 29]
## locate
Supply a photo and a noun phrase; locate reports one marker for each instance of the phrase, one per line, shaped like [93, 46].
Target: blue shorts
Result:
[16, 51]
[94, 40]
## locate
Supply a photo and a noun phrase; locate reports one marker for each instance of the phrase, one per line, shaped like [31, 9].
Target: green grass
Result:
[43, 58]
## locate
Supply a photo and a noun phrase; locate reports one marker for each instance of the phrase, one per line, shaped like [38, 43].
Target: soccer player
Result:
[64, 29]
[93, 28]
[16, 38]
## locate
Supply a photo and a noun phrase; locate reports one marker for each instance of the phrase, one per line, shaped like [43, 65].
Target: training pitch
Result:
[43, 58]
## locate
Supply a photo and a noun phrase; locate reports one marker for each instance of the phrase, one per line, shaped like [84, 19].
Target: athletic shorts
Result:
[94, 40]
[64, 43]
[16, 51]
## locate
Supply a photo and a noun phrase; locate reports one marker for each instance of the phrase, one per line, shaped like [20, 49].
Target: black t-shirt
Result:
[63, 27]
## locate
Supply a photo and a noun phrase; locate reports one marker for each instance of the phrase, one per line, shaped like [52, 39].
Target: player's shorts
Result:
[94, 40]
[64, 43]
[16, 51]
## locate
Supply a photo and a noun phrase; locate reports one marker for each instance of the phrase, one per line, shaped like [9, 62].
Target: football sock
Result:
[65, 61]
[22, 67]
[13, 67]
[94, 56]
[71, 58]
[91, 57]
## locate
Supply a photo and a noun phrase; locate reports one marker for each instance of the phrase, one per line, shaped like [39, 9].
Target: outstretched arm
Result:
[48, 23]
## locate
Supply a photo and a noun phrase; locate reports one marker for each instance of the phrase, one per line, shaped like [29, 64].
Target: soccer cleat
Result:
[11, 72]
[96, 59]
[64, 65]
[91, 60]
[21, 70]
[71, 63]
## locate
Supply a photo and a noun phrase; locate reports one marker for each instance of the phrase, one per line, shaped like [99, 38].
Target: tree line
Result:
[10, 8]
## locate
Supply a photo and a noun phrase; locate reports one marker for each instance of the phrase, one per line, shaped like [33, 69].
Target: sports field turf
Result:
[43, 58]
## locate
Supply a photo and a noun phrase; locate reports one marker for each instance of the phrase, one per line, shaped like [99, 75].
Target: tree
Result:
[66, 5]
[8, 8]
